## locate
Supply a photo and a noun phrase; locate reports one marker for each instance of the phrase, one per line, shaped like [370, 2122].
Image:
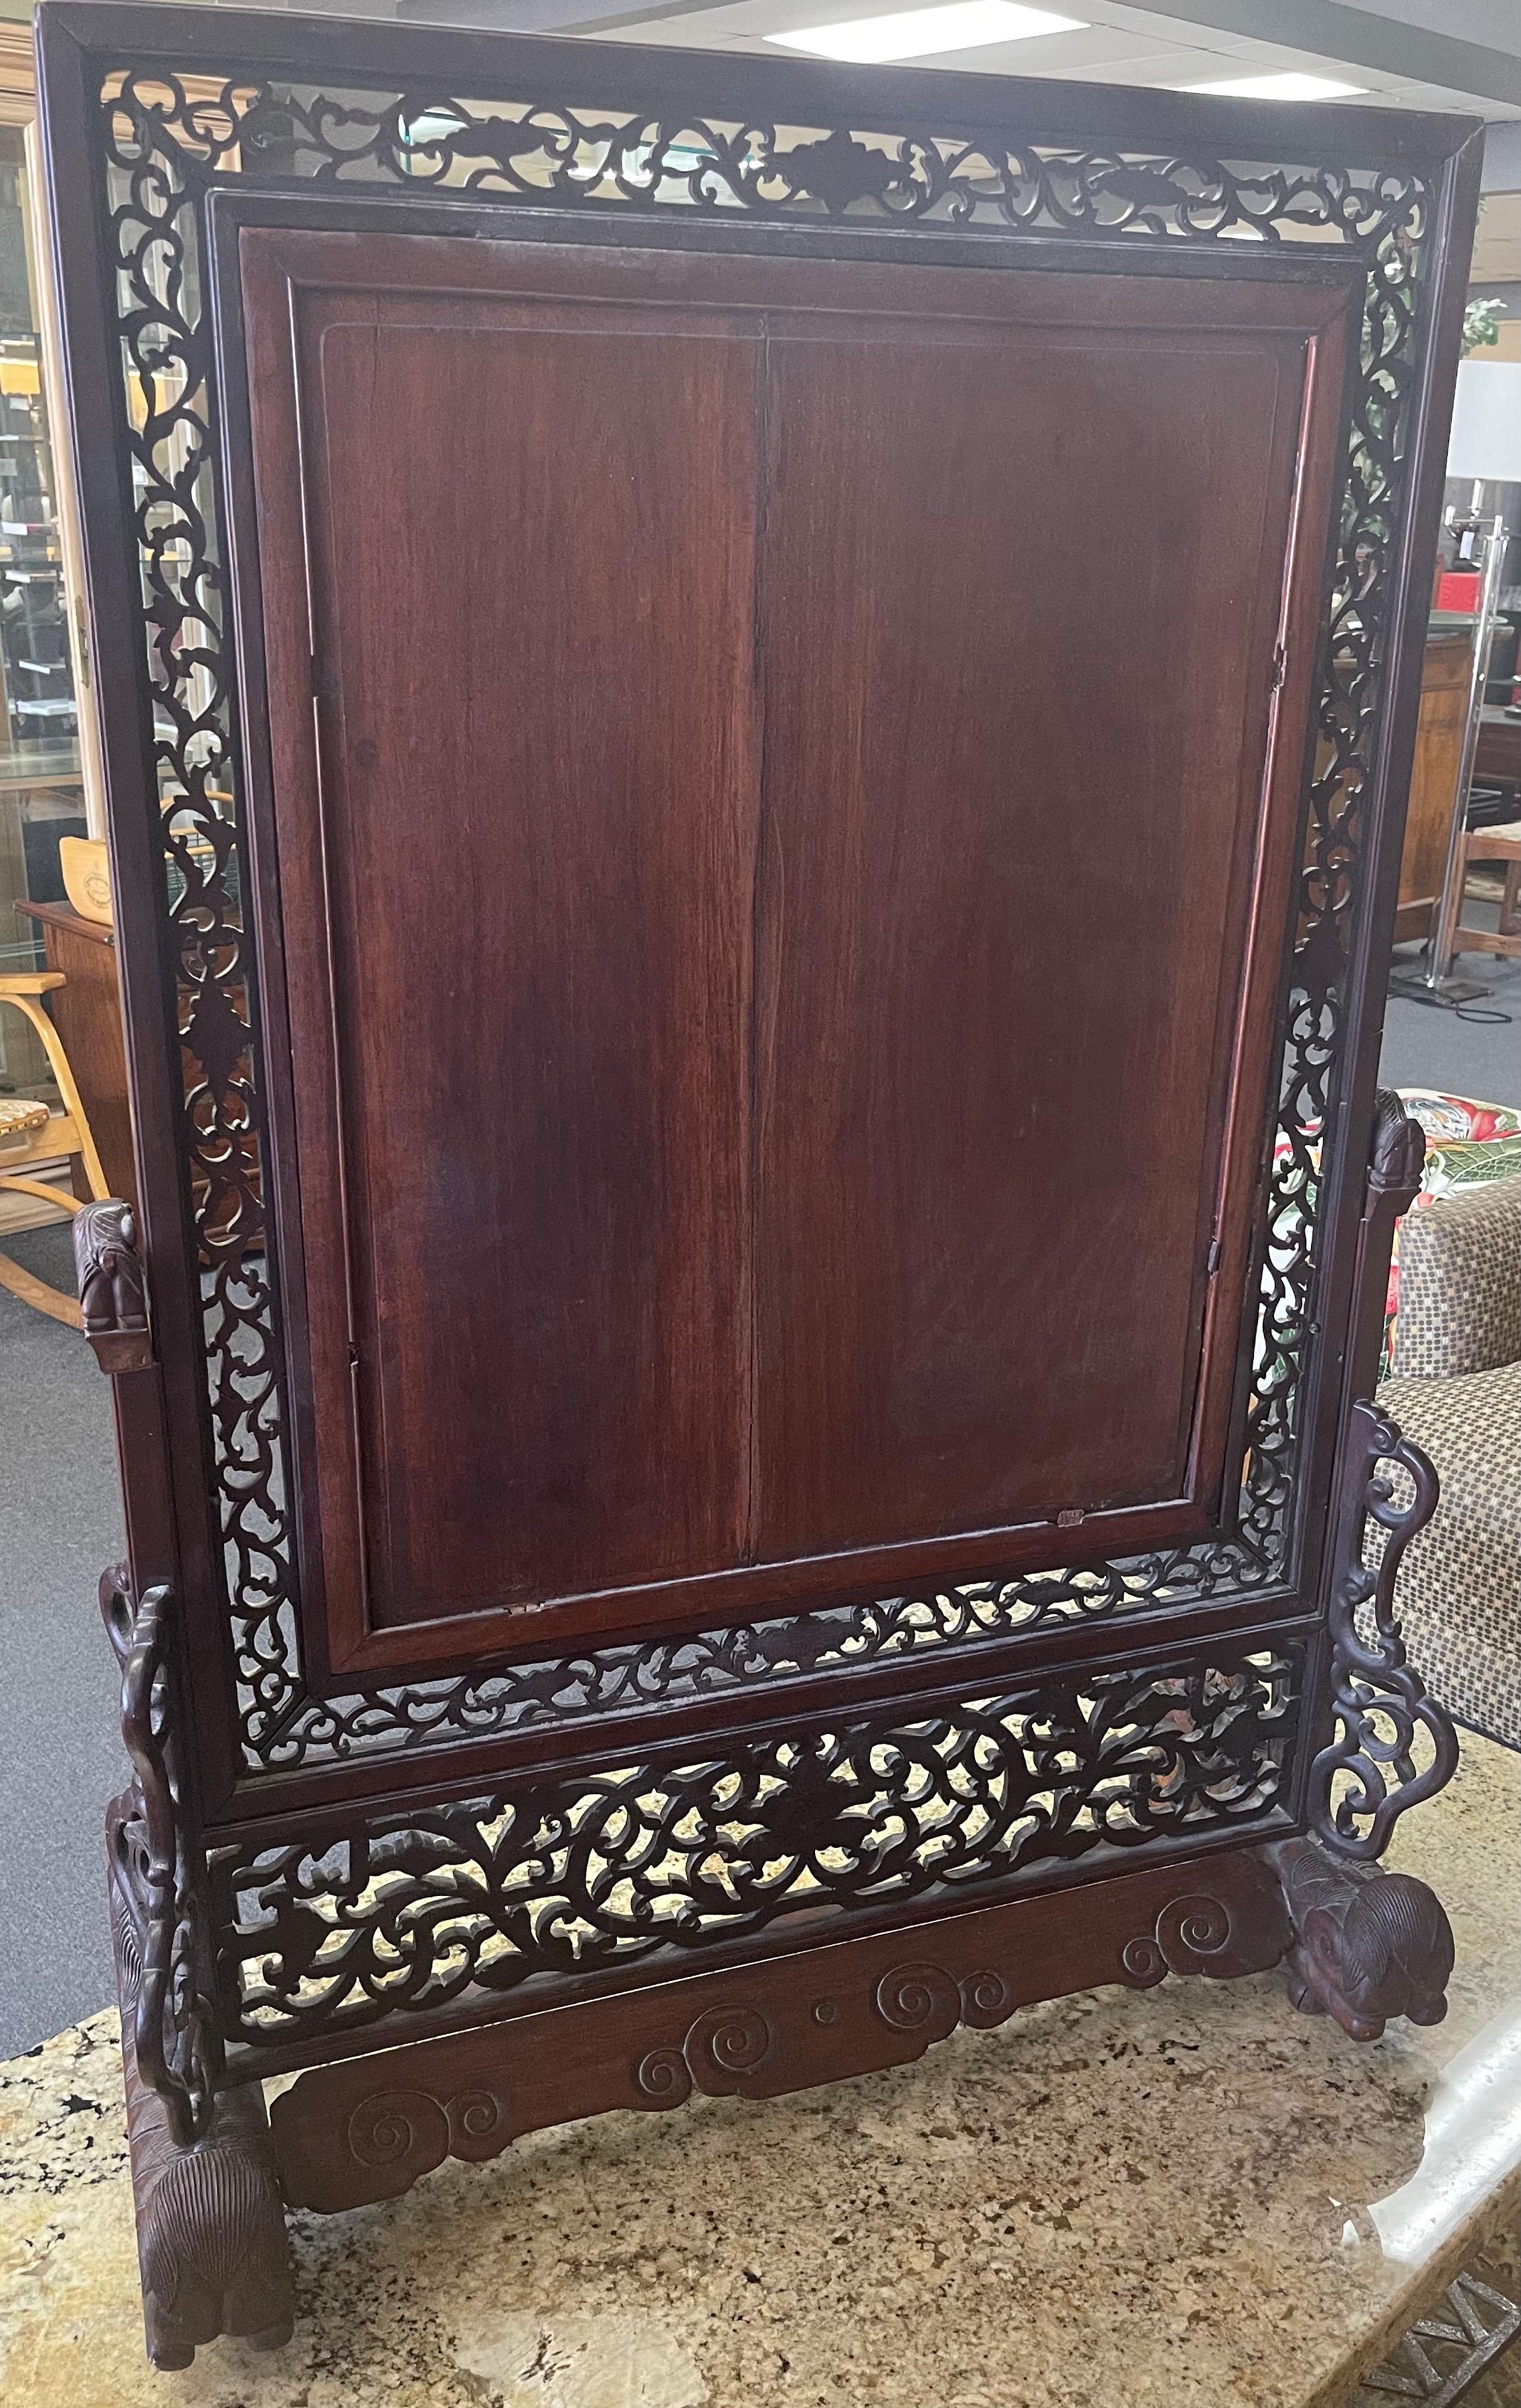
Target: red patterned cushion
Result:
[1468, 1144]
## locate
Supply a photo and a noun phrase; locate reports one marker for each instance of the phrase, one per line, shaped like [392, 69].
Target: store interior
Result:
[888, 2154]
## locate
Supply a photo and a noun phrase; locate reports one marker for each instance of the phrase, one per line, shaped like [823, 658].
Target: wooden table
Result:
[87, 1012]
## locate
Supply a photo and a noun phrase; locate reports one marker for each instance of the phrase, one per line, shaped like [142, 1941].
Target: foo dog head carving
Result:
[1389, 1953]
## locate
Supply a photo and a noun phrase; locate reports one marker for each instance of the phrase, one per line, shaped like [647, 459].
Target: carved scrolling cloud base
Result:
[345, 2134]
[368, 2129]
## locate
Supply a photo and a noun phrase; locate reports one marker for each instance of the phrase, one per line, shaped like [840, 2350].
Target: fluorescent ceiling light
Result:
[1279, 87]
[919, 33]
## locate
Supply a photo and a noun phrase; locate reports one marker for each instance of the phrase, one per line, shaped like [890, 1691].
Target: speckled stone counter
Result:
[1192, 2197]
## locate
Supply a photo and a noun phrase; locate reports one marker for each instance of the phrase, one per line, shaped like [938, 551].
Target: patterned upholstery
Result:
[1461, 1284]
[1457, 1392]
[19, 1116]
[1459, 1594]
[1468, 1144]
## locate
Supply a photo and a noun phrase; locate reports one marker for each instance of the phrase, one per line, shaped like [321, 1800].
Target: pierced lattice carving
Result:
[565, 1876]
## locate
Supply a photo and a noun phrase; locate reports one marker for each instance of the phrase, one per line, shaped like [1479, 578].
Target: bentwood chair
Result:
[32, 1136]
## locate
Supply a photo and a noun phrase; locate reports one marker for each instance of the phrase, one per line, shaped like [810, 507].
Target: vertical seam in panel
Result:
[756, 1080]
[322, 665]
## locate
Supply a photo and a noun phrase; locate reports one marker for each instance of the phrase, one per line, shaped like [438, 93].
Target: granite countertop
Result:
[1188, 2198]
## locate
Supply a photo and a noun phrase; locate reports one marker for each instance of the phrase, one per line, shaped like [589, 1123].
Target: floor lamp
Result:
[1485, 445]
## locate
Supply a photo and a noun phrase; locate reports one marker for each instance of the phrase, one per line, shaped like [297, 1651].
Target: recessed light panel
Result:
[923, 33]
[1287, 86]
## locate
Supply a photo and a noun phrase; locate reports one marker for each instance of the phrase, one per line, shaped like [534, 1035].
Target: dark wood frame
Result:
[336, 1629]
[835, 1989]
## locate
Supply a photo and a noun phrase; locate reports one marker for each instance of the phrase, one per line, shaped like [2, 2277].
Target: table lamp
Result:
[1485, 439]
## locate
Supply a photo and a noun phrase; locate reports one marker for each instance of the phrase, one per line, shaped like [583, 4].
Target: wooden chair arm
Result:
[29, 982]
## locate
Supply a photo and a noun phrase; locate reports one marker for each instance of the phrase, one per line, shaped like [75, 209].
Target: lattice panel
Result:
[595, 1871]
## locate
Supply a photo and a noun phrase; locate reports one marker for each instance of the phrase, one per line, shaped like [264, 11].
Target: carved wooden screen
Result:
[752, 976]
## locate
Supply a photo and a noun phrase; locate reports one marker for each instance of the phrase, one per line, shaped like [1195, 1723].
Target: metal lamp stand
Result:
[1435, 982]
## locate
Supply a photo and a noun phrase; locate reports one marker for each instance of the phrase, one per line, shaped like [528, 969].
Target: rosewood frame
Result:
[337, 1636]
[1231, 1699]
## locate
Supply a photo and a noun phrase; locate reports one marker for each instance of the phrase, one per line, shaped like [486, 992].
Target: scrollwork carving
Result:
[1193, 1931]
[728, 2044]
[724, 2049]
[547, 152]
[927, 2000]
[398, 2135]
[155, 1900]
[477, 2124]
[856, 2004]
[621, 1679]
[565, 1875]
[1367, 1776]
[1198, 1934]
[664, 2077]
[986, 2000]
[398, 2128]
[1142, 1961]
[919, 1999]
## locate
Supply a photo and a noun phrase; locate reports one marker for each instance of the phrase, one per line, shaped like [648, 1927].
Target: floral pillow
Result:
[1467, 1145]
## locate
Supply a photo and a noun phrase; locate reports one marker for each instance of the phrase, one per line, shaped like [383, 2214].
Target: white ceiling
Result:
[1492, 22]
[1120, 44]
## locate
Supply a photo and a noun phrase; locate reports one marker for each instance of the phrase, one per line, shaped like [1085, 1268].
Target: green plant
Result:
[1481, 324]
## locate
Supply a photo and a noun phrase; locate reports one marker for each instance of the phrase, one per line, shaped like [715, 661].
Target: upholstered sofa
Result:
[1455, 1388]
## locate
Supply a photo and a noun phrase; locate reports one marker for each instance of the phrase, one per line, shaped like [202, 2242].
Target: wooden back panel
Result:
[782, 901]
[529, 1181]
[1018, 679]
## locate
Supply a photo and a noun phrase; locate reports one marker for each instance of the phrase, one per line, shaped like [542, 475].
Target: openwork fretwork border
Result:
[166, 143]
[411, 1912]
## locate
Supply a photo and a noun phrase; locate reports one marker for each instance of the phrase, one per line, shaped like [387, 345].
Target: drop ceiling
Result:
[1118, 45]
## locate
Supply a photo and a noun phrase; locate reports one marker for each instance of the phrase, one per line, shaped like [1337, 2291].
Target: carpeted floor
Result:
[60, 1752]
[1426, 1046]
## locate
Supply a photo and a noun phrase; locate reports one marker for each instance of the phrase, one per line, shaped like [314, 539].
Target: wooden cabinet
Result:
[1496, 761]
[87, 1012]
[1446, 680]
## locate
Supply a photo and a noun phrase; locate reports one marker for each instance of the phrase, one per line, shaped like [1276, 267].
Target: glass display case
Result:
[47, 757]
[46, 785]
